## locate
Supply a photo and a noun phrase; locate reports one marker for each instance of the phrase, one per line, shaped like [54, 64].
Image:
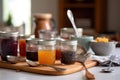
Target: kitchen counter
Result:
[6, 74]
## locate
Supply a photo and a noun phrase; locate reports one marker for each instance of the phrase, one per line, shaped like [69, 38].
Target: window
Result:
[20, 12]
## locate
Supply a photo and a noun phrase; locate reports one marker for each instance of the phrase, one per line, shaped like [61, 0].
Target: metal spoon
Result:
[82, 58]
[14, 59]
[71, 18]
[88, 74]
[108, 69]
[35, 64]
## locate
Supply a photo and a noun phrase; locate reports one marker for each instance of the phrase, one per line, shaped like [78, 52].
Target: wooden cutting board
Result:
[23, 66]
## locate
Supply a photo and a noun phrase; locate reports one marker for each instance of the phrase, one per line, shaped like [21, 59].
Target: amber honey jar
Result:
[47, 52]
[43, 21]
[22, 45]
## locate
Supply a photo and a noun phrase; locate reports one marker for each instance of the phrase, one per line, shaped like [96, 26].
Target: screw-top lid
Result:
[48, 42]
[13, 34]
[69, 42]
[3, 33]
[33, 41]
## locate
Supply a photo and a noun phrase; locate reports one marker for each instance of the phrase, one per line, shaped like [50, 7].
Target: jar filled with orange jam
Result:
[22, 45]
[47, 52]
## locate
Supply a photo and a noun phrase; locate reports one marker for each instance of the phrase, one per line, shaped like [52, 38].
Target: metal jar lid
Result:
[13, 34]
[48, 42]
[3, 33]
[69, 42]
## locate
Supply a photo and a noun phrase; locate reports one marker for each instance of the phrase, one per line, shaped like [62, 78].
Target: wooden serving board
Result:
[23, 66]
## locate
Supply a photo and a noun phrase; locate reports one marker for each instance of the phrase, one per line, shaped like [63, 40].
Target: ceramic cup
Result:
[83, 41]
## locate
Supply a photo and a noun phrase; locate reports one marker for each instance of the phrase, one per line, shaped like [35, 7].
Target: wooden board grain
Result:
[47, 70]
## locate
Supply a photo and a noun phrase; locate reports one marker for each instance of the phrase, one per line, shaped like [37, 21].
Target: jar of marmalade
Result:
[47, 52]
[22, 45]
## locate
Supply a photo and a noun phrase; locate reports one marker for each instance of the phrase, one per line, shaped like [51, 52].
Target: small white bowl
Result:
[102, 48]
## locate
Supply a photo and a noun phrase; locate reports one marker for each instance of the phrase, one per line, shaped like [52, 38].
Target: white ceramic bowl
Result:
[102, 48]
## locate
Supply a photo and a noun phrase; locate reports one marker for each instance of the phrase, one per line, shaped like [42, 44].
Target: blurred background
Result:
[94, 16]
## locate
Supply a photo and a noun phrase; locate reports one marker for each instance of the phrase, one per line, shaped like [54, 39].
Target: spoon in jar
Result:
[35, 64]
[71, 18]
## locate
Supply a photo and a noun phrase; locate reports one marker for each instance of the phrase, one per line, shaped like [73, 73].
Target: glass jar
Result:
[68, 51]
[66, 33]
[9, 44]
[47, 34]
[32, 49]
[47, 52]
[22, 45]
[58, 47]
[2, 36]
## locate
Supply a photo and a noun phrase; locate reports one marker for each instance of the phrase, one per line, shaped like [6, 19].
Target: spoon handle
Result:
[54, 67]
[71, 18]
[89, 75]
[111, 59]
[108, 68]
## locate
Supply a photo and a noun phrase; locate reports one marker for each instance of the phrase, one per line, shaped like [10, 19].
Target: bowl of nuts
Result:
[101, 46]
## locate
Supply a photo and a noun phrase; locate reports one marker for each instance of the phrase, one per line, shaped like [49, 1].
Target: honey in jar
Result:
[47, 52]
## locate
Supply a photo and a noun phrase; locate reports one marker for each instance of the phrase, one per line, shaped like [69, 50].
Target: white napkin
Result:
[103, 60]
[99, 58]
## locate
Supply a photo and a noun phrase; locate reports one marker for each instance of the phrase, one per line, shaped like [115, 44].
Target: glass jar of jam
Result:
[22, 45]
[32, 49]
[2, 36]
[9, 44]
[47, 52]
[58, 47]
[68, 51]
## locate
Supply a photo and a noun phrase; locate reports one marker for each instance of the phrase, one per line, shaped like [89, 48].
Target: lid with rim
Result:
[69, 42]
[14, 34]
[48, 42]
[3, 33]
